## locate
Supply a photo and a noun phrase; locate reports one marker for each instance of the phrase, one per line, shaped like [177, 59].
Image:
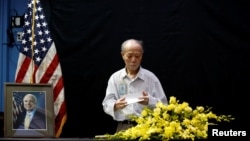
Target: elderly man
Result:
[131, 88]
[32, 117]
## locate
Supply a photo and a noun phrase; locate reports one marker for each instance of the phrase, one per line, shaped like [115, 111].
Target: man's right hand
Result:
[120, 104]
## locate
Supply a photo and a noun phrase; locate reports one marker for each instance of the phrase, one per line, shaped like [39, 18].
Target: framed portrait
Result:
[29, 110]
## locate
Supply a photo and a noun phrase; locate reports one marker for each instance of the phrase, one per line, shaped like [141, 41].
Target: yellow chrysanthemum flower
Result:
[169, 122]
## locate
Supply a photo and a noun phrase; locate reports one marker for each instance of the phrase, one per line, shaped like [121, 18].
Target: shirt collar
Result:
[138, 75]
[31, 112]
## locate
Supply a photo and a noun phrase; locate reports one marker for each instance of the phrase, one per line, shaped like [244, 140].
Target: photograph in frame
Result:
[29, 110]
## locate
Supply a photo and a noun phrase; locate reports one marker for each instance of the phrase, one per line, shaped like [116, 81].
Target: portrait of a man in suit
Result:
[32, 116]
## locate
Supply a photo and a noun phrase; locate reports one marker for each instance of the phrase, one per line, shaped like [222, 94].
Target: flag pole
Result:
[32, 40]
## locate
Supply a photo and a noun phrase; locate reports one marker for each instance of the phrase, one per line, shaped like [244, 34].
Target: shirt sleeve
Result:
[110, 98]
[108, 105]
[156, 95]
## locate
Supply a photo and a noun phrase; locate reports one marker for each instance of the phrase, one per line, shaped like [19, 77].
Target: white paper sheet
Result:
[133, 98]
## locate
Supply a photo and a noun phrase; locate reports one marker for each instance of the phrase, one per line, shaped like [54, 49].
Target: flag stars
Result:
[38, 59]
[39, 9]
[44, 49]
[36, 17]
[30, 14]
[36, 51]
[46, 32]
[25, 49]
[49, 39]
[42, 41]
[30, 38]
[42, 17]
[40, 38]
[29, 31]
[30, 5]
[40, 33]
[44, 24]
[25, 16]
[38, 25]
[27, 23]
[35, 43]
[24, 41]
[38, 1]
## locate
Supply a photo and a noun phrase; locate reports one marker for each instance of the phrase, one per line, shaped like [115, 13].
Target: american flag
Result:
[38, 60]
[17, 103]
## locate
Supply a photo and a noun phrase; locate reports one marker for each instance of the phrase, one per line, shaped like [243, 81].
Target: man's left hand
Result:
[144, 98]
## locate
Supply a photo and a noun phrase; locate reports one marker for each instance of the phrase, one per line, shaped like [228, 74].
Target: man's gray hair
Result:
[125, 42]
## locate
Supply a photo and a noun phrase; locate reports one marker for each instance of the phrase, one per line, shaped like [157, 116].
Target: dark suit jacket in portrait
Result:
[38, 121]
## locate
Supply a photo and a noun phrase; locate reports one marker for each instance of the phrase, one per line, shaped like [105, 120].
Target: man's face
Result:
[29, 103]
[132, 56]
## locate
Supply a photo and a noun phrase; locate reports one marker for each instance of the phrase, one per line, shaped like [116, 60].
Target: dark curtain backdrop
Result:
[199, 49]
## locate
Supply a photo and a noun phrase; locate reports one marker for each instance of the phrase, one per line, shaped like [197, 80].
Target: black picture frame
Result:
[42, 123]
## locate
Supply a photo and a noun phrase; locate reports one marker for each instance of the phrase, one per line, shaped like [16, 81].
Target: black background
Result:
[199, 49]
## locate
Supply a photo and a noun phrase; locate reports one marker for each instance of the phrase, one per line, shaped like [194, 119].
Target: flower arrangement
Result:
[175, 121]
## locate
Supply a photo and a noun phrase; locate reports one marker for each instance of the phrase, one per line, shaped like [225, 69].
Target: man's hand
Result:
[144, 98]
[120, 104]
